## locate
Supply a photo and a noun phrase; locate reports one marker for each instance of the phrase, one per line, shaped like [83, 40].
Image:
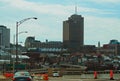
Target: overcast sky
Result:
[101, 18]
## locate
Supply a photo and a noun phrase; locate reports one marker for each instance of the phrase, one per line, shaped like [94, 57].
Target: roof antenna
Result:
[75, 8]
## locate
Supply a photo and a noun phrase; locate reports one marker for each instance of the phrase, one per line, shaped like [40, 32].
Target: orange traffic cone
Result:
[95, 74]
[45, 77]
[111, 75]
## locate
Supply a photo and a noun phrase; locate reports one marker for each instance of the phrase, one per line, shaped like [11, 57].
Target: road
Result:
[65, 79]
[69, 78]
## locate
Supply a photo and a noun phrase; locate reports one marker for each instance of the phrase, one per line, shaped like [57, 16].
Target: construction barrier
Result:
[41, 76]
[111, 75]
[45, 77]
[95, 74]
[8, 75]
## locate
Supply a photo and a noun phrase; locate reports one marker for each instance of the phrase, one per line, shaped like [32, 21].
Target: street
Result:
[66, 79]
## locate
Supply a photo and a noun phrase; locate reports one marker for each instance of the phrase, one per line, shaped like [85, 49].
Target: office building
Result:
[73, 32]
[4, 37]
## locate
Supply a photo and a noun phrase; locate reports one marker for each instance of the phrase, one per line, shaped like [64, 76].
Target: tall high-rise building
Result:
[4, 37]
[73, 32]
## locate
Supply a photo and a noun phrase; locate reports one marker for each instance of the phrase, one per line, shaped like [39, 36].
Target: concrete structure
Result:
[73, 32]
[4, 37]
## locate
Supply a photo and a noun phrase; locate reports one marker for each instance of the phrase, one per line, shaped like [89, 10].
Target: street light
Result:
[22, 32]
[18, 34]
[17, 25]
[14, 43]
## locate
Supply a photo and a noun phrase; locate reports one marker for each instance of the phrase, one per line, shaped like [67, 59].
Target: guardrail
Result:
[67, 71]
[70, 71]
[38, 71]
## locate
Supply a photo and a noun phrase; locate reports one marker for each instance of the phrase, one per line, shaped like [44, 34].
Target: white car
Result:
[22, 76]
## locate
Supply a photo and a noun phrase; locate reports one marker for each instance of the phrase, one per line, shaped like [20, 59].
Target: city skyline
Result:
[101, 18]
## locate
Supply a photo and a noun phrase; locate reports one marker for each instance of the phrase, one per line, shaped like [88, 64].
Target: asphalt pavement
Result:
[2, 78]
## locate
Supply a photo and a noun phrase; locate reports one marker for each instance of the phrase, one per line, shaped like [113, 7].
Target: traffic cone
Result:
[45, 77]
[95, 74]
[111, 75]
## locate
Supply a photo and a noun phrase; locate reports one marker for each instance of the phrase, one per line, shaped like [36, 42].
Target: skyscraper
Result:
[73, 32]
[4, 37]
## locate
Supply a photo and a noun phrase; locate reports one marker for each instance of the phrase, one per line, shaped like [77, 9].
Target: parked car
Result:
[22, 76]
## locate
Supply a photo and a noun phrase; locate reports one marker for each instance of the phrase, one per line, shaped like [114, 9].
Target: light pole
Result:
[18, 34]
[14, 44]
[17, 25]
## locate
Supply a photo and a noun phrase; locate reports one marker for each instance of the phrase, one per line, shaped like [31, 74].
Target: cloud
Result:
[55, 9]
[106, 1]
[101, 29]
[50, 17]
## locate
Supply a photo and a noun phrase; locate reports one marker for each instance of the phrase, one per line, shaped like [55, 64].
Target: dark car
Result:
[22, 76]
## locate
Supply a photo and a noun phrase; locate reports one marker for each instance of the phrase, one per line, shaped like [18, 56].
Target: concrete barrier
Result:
[41, 77]
[91, 76]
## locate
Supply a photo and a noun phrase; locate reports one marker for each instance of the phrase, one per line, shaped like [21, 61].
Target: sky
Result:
[101, 19]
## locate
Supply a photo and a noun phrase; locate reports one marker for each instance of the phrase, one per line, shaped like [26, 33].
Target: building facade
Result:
[73, 32]
[113, 47]
[4, 37]
[30, 42]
